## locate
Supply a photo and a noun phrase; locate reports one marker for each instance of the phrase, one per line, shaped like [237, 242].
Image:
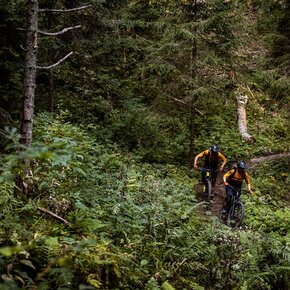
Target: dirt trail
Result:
[252, 162]
[219, 189]
[218, 198]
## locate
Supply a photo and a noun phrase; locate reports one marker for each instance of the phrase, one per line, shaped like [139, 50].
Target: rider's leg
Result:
[224, 207]
[229, 194]
[213, 180]
[203, 174]
[203, 180]
[214, 176]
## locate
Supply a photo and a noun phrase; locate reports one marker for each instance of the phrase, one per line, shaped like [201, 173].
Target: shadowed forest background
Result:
[108, 198]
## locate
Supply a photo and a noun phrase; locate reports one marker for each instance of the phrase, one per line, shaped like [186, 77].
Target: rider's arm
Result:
[247, 179]
[200, 155]
[196, 162]
[223, 158]
[229, 173]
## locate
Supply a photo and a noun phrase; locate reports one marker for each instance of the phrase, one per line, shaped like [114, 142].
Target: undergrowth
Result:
[133, 225]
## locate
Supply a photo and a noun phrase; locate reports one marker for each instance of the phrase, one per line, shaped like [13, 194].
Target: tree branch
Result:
[59, 32]
[179, 101]
[179, 266]
[54, 215]
[65, 10]
[55, 64]
[182, 103]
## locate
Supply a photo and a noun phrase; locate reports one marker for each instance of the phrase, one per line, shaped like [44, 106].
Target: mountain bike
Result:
[236, 213]
[207, 184]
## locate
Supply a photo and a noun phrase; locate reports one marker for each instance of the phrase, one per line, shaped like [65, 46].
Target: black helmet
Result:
[241, 164]
[214, 148]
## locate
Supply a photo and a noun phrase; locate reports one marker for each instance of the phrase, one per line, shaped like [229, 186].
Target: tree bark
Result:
[22, 179]
[27, 110]
[242, 120]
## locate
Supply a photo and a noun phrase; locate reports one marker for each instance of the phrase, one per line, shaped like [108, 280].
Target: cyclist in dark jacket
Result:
[234, 179]
[212, 159]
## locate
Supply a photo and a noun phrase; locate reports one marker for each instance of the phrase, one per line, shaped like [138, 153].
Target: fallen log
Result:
[242, 119]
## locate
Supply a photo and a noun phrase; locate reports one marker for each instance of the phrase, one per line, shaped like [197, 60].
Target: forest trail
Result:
[254, 161]
[219, 189]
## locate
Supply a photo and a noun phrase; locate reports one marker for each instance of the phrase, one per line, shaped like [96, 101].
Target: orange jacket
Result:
[237, 177]
[220, 156]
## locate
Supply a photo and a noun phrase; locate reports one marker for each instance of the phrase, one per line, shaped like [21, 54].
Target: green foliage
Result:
[108, 166]
[138, 65]
[133, 225]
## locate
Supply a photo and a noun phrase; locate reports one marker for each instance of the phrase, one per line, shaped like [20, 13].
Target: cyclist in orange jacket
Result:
[212, 159]
[234, 179]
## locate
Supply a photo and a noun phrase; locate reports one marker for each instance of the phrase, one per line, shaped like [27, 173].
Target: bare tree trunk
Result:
[27, 110]
[242, 120]
[23, 182]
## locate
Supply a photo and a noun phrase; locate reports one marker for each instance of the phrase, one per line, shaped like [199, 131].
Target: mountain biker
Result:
[212, 159]
[234, 179]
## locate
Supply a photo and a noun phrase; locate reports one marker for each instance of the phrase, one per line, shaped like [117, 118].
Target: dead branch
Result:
[65, 10]
[182, 103]
[55, 64]
[179, 101]
[59, 32]
[179, 266]
[54, 215]
[242, 120]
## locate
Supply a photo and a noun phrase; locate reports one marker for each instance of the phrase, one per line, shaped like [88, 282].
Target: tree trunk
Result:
[242, 121]
[23, 181]
[30, 74]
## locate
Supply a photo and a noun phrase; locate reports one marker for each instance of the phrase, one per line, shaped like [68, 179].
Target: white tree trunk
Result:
[242, 119]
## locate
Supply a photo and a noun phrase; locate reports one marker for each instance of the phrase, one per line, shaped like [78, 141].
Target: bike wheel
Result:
[207, 191]
[236, 215]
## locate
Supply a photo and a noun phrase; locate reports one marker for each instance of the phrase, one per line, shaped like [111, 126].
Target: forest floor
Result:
[218, 198]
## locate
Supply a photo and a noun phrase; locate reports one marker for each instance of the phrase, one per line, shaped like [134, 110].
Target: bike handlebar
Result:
[238, 189]
[207, 169]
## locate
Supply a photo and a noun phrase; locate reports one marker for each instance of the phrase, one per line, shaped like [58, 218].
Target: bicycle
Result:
[236, 213]
[208, 180]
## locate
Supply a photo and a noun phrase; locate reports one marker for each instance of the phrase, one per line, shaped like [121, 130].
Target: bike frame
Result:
[208, 172]
[208, 182]
[236, 207]
[238, 192]
[236, 196]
